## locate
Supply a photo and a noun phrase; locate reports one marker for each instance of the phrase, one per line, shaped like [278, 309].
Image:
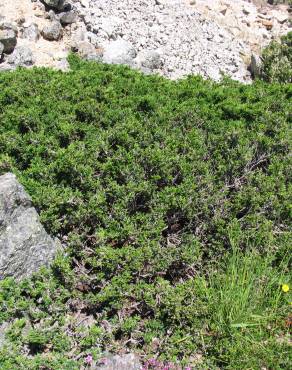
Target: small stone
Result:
[31, 32]
[21, 56]
[55, 4]
[119, 52]
[265, 16]
[20, 21]
[51, 15]
[268, 24]
[223, 10]
[246, 10]
[83, 47]
[282, 17]
[39, 14]
[84, 3]
[53, 32]
[87, 51]
[63, 65]
[67, 17]
[60, 55]
[39, 6]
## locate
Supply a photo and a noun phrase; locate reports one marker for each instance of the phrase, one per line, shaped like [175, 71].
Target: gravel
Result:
[186, 41]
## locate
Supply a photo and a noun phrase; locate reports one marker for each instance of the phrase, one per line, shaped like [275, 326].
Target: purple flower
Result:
[88, 359]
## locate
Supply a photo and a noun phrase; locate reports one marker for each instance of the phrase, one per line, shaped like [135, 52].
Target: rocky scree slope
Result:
[171, 37]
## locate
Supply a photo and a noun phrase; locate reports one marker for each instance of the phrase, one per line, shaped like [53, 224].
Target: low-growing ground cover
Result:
[174, 202]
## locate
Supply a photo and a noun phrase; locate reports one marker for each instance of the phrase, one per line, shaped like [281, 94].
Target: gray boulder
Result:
[119, 52]
[8, 36]
[24, 244]
[122, 362]
[21, 56]
[53, 32]
[31, 32]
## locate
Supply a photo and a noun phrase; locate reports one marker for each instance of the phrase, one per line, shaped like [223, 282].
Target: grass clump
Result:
[174, 201]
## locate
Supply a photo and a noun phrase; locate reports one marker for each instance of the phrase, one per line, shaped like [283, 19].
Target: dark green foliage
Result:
[152, 184]
[277, 61]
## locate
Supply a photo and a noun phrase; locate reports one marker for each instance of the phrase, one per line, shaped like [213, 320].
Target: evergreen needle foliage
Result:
[173, 200]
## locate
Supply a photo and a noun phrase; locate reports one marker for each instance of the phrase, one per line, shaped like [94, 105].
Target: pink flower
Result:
[152, 361]
[88, 359]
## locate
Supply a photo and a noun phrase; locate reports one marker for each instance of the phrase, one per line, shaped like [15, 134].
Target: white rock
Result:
[119, 52]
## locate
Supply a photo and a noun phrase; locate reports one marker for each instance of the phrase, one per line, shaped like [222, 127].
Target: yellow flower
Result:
[285, 288]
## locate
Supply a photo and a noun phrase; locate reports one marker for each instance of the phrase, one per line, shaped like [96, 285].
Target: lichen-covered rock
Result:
[24, 244]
